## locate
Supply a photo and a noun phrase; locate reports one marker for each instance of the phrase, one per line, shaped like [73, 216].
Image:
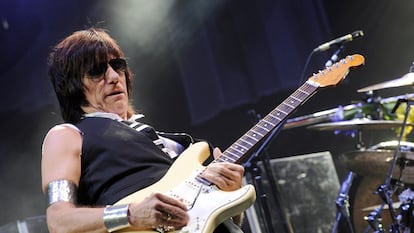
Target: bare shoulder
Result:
[62, 137]
[63, 131]
[61, 151]
[65, 128]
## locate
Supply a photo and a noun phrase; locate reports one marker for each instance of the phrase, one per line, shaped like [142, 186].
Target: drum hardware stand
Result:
[374, 219]
[360, 143]
[342, 203]
[384, 190]
[256, 173]
[386, 193]
[406, 214]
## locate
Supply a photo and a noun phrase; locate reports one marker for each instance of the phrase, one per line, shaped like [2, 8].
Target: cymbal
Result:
[406, 80]
[357, 124]
[378, 163]
[345, 112]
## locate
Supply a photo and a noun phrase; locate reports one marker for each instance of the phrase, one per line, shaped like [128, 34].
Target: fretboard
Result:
[242, 147]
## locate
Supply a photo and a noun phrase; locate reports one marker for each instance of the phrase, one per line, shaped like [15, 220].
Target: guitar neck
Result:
[331, 76]
[237, 152]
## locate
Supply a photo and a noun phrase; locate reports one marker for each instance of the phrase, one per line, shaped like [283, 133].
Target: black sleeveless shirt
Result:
[116, 161]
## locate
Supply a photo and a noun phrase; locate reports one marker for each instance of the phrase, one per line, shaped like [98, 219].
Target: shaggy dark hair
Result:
[74, 57]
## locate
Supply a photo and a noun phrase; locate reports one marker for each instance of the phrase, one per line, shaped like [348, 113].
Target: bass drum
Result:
[363, 197]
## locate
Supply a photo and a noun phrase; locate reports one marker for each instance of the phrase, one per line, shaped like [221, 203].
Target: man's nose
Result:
[111, 75]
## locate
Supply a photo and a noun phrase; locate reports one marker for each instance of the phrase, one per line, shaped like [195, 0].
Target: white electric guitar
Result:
[208, 206]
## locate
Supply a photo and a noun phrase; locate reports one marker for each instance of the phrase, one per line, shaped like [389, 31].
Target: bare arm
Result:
[61, 161]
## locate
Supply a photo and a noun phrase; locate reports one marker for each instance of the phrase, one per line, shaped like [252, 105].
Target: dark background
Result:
[199, 67]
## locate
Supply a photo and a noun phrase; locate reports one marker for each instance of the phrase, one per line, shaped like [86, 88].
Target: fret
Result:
[234, 152]
[271, 121]
[295, 101]
[263, 127]
[300, 94]
[302, 97]
[230, 151]
[296, 98]
[261, 130]
[226, 158]
[238, 149]
[254, 134]
[237, 144]
[248, 140]
[275, 116]
[280, 110]
[245, 143]
[288, 108]
[251, 140]
[290, 104]
[284, 111]
[303, 91]
[268, 121]
[285, 108]
[280, 115]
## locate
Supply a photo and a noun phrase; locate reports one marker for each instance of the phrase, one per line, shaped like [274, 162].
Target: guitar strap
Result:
[147, 131]
[172, 144]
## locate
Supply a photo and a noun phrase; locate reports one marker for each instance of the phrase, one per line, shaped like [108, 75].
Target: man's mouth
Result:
[115, 93]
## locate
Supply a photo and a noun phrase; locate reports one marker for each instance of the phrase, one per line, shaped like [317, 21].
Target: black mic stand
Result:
[334, 57]
[342, 203]
[251, 165]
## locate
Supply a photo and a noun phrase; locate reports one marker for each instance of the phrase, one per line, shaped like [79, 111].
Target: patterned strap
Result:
[147, 130]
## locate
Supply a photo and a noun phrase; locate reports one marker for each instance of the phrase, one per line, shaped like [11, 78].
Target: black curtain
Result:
[243, 50]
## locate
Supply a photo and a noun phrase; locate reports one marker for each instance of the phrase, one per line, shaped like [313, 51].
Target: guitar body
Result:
[211, 206]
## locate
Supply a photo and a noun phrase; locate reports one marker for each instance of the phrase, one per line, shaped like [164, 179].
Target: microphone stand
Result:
[251, 164]
[334, 57]
[342, 203]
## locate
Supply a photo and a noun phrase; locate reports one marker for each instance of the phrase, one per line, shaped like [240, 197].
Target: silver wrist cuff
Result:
[116, 217]
[61, 190]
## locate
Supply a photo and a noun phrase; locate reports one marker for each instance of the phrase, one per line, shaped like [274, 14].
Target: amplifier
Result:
[306, 189]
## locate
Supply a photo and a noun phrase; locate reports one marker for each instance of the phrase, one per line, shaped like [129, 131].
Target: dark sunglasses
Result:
[98, 70]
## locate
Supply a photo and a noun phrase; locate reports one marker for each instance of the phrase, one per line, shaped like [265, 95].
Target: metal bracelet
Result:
[116, 217]
[61, 190]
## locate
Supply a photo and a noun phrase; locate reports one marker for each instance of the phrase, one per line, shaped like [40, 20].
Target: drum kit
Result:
[384, 198]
